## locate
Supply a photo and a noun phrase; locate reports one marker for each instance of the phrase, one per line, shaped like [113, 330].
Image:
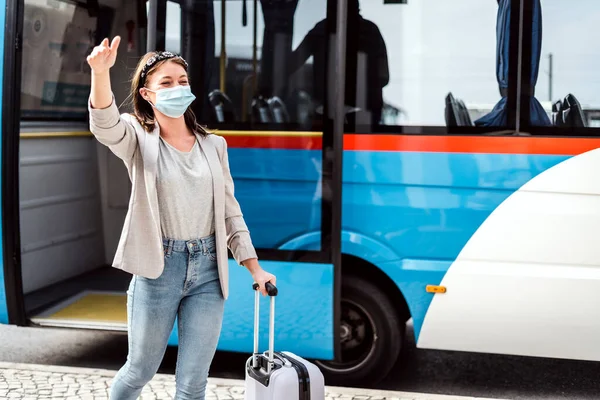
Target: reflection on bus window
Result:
[173, 27]
[57, 37]
[434, 48]
[366, 49]
[569, 83]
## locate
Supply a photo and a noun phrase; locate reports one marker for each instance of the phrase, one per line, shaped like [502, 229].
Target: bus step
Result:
[88, 310]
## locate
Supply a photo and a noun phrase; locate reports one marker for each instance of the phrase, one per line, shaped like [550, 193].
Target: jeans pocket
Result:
[212, 255]
[211, 252]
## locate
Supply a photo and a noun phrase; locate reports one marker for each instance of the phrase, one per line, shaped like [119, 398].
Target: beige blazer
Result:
[140, 248]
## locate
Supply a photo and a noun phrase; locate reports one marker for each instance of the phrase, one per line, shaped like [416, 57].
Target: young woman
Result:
[182, 217]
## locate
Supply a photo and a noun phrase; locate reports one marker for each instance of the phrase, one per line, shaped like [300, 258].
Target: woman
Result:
[182, 217]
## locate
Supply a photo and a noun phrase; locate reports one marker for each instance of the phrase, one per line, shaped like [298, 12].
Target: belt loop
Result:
[204, 248]
[170, 247]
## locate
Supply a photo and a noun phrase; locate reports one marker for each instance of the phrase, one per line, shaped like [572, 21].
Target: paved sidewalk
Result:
[33, 381]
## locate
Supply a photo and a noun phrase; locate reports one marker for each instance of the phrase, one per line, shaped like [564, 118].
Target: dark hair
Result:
[142, 110]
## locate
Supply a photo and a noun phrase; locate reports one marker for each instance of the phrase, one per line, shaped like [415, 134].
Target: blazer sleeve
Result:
[113, 131]
[238, 235]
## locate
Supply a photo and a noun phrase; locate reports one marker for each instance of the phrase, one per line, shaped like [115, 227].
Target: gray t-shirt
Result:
[185, 193]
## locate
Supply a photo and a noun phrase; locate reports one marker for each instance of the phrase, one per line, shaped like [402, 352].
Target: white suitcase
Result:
[281, 375]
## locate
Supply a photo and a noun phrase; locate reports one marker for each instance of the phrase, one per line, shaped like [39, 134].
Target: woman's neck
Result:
[172, 127]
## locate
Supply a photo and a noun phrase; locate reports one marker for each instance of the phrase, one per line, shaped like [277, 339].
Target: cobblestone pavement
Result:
[33, 382]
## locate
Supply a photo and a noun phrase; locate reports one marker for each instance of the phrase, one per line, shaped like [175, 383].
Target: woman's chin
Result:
[169, 117]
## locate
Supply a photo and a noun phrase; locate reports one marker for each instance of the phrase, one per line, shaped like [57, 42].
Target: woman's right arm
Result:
[105, 121]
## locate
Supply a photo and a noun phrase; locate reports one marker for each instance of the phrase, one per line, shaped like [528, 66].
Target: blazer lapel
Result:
[217, 173]
[150, 157]
[151, 151]
[214, 163]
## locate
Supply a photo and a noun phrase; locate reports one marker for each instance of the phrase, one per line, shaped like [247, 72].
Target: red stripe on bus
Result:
[470, 144]
[275, 142]
[415, 143]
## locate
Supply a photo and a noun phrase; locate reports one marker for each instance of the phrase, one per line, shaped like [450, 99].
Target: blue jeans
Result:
[188, 288]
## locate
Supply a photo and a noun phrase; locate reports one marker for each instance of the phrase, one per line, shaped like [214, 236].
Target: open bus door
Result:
[11, 297]
[64, 195]
[287, 179]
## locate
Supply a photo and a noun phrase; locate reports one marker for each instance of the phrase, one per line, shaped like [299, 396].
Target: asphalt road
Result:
[423, 371]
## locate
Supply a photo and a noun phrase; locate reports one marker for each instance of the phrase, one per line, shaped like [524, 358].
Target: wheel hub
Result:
[345, 332]
[357, 337]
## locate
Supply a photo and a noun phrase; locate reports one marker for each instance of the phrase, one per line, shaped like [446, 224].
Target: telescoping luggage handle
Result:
[272, 292]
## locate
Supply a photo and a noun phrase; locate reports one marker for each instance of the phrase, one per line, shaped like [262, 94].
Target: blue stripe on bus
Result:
[3, 304]
[407, 213]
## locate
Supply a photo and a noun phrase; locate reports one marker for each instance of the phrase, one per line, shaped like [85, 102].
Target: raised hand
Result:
[103, 56]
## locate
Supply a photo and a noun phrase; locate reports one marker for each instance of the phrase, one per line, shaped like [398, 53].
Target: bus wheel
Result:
[371, 336]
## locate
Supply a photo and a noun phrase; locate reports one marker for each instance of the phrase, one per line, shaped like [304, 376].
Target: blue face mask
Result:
[173, 101]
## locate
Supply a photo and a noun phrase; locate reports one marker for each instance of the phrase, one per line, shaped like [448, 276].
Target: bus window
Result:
[173, 27]
[568, 65]
[251, 81]
[423, 63]
[57, 36]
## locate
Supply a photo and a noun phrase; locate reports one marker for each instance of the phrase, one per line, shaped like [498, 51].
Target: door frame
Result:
[11, 111]
[336, 167]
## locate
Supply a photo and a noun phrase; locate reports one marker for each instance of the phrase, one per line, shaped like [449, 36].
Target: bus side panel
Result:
[303, 310]
[527, 281]
[425, 206]
[411, 213]
[3, 304]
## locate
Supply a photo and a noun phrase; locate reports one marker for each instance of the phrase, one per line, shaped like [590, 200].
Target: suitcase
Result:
[279, 375]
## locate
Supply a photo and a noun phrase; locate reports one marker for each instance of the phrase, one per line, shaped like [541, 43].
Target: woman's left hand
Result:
[261, 277]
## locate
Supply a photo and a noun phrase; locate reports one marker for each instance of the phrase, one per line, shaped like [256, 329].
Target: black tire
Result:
[372, 335]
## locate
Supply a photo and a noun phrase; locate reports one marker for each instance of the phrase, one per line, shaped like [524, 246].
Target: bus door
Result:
[8, 296]
[64, 198]
[266, 100]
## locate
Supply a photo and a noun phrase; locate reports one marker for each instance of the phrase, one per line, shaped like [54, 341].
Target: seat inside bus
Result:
[271, 110]
[568, 113]
[221, 107]
[278, 110]
[456, 112]
[261, 112]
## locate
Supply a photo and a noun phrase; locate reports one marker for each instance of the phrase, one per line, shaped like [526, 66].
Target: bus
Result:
[371, 188]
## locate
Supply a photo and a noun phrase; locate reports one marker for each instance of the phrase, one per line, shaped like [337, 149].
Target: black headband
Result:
[159, 56]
